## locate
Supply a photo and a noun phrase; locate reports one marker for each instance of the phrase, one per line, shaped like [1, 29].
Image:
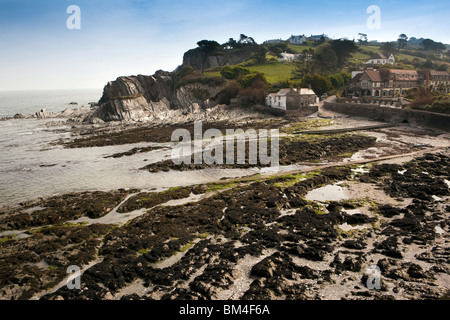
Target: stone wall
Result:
[391, 114]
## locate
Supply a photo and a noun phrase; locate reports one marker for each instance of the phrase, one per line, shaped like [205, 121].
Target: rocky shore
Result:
[251, 238]
[314, 233]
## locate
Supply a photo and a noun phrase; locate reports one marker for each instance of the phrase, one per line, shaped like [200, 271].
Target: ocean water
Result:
[33, 164]
[29, 102]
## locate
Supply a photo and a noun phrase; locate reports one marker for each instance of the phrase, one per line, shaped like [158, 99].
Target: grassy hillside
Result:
[275, 71]
[409, 58]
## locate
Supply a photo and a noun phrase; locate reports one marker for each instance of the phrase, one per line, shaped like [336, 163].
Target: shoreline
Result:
[248, 234]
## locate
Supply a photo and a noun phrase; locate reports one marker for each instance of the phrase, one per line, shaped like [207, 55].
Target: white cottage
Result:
[292, 99]
[380, 59]
[289, 57]
[297, 39]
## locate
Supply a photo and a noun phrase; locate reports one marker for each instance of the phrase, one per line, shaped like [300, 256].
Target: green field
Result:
[275, 71]
[300, 48]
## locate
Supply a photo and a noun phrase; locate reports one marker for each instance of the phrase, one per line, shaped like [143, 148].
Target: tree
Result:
[428, 44]
[363, 38]
[319, 84]
[428, 64]
[208, 47]
[343, 50]
[278, 48]
[230, 44]
[243, 40]
[387, 48]
[324, 60]
[259, 54]
[402, 41]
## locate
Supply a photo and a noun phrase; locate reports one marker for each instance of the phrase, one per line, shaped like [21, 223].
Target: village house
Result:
[439, 81]
[297, 39]
[380, 59]
[273, 41]
[291, 99]
[318, 37]
[394, 83]
[289, 57]
[384, 82]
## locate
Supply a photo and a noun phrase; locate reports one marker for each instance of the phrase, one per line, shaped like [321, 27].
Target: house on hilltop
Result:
[273, 41]
[381, 59]
[297, 39]
[319, 37]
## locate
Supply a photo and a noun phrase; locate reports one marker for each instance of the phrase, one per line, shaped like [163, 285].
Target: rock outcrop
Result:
[195, 58]
[145, 98]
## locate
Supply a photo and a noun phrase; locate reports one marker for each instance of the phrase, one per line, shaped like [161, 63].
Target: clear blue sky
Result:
[127, 37]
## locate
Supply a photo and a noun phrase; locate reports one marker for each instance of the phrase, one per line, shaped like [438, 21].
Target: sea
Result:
[34, 163]
[29, 102]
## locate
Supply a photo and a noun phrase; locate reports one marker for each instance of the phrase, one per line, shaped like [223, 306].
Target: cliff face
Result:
[195, 58]
[141, 98]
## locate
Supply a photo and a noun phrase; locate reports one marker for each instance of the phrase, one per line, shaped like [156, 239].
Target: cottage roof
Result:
[374, 75]
[438, 73]
[301, 91]
[357, 77]
[283, 92]
[306, 91]
[396, 74]
[377, 56]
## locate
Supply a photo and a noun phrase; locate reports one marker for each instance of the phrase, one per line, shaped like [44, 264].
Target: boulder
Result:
[19, 116]
[96, 121]
[42, 114]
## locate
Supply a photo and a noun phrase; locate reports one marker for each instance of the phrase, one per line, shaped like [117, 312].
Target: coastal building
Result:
[381, 59]
[394, 82]
[291, 99]
[439, 81]
[384, 82]
[273, 41]
[289, 57]
[319, 37]
[297, 39]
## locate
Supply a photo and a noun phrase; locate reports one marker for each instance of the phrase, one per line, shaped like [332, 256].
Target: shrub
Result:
[249, 79]
[232, 73]
[422, 96]
[230, 92]
[254, 93]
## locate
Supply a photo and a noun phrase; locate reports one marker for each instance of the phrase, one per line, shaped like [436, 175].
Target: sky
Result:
[128, 37]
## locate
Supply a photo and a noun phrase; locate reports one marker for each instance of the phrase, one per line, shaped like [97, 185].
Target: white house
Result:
[288, 57]
[380, 59]
[291, 99]
[297, 39]
[277, 100]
